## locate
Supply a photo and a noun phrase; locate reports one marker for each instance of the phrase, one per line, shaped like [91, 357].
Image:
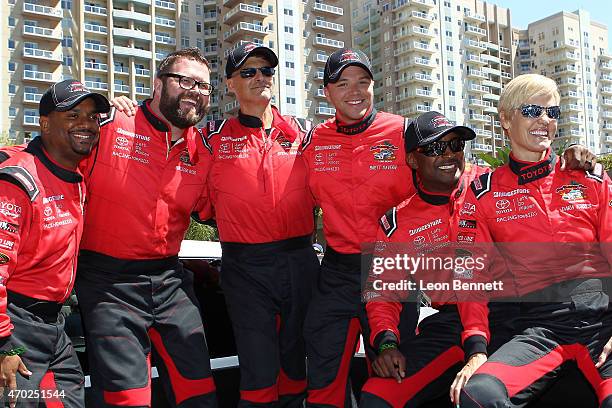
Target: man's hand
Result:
[124, 104]
[390, 363]
[473, 363]
[578, 157]
[604, 353]
[9, 366]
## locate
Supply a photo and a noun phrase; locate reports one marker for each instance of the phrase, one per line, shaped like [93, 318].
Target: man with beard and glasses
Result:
[145, 179]
[42, 197]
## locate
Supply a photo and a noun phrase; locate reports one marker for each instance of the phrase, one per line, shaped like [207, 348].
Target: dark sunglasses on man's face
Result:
[438, 147]
[535, 111]
[251, 72]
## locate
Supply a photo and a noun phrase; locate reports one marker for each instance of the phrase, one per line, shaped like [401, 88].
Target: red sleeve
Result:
[382, 311]
[605, 218]
[204, 208]
[473, 309]
[14, 229]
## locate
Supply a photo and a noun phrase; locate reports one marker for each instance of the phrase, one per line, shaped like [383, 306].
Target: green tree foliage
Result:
[200, 232]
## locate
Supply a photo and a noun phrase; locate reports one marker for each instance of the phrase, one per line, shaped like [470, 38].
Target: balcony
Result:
[491, 84]
[44, 11]
[606, 90]
[230, 3]
[210, 50]
[129, 33]
[326, 25]
[143, 90]
[607, 114]
[166, 22]
[39, 76]
[98, 86]
[605, 66]
[210, 16]
[325, 111]
[608, 139]
[33, 98]
[132, 52]
[419, 16]
[483, 133]
[96, 47]
[422, 61]
[567, 82]
[143, 72]
[506, 75]
[121, 88]
[473, 44]
[95, 66]
[469, 16]
[423, 3]
[326, 8]
[30, 120]
[168, 5]
[478, 88]
[328, 42]
[131, 15]
[318, 75]
[480, 118]
[244, 11]
[319, 58]
[95, 28]
[505, 50]
[605, 78]
[474, 73]
[40, 32]
[415, 78]
[417, 93]
[607, 102]
[163, 39]
[491, 97]
[571, 108]
[475, 59]
[243, 28]
[320, 93]
[232, 106]
[482, 147]
[96, 10]
[470, 29]
[42, 54]
[566, 70]
[209, 33]
[479, 102]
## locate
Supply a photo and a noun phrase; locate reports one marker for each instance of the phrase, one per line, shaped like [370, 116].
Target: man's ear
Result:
[157, 86]
[230, 84]
[504, 119]
[43, 121]
[411, 160]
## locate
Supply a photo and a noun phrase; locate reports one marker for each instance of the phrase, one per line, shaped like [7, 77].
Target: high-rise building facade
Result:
[453, 56]
[573, 50]
[113, 46]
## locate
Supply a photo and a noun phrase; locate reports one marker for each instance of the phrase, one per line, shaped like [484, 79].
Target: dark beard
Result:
[171, 110]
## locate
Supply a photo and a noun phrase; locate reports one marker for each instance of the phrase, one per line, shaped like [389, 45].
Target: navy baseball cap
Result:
[344, 58]
[240, 54]
[430, 127]
[65, 95]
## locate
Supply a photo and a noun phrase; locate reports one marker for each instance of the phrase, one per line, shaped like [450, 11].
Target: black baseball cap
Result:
[344, 58]
[240, 54]
[430, 127]
[65, 95]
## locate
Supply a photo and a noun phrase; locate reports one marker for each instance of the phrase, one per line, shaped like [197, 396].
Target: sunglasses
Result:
[535, 111]
[438, 148]
[251, 72]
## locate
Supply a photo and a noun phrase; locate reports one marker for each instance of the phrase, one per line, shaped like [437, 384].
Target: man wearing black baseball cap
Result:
[265, 226]
[42, 196]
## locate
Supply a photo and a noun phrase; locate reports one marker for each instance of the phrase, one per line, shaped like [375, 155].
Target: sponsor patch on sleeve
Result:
[4, 259]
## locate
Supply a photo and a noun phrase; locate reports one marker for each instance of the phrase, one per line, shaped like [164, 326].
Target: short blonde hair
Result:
[524, 87]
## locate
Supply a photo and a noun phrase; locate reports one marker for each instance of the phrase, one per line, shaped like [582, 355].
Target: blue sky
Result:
[525, 11]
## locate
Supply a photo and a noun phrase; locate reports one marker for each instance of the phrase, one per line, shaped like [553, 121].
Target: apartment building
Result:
[573, 50]
[303, 34]
[453, 56]
[113, 46]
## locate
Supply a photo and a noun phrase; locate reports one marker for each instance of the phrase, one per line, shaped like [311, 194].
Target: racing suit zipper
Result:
[76, 252]
[264, 150]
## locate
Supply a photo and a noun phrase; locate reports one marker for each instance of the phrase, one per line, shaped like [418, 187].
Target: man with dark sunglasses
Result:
[412, 371]
[146, 178]
[264, 212]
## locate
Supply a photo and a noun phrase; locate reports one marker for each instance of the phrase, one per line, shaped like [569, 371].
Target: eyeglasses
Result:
[438, 148]
[188, 83]
[535, 111]
[251, 72]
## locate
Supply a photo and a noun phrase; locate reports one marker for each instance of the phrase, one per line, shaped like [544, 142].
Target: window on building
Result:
[11, 44]
[11, 21]
[271, 44]
[67, 41]
[447, 18]
[291, 100]
[185, 6]
[451, 78]
[199, 43]
[198, 9]
[270, 26]
[270, 8]
[12, 89]
[290, 82]
[12, 112]
[199, 26]
[449, 33]
[452, 108]
[67, 4]
[289, 64]
[11, 66]
[288, 12]
[68, 61]
[289, 47]
[288, 29]
[184, 41]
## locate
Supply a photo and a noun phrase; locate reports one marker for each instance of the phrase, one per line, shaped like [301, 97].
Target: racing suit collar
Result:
[435, 198]
[158, 123]
[530, 171]
[36, 148]
[358, 127]
[278, 122]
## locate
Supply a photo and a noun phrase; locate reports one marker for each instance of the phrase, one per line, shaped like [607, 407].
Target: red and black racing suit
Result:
[135, 296]
[554, 230]
[41, 221]
[356, 173]
[420, 226]
[264, 212]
